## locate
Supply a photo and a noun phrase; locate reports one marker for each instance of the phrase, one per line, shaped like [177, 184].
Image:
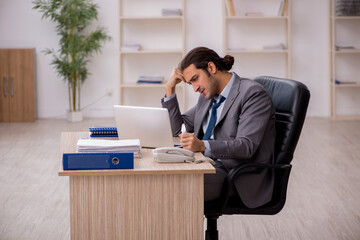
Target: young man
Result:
[233, 122]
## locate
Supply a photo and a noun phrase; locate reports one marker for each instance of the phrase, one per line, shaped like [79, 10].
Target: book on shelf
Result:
[280, 8]
[103, 132]
[237, 49]
[126, 47]
[283, 7]
[91, 145]
[286, 3]
[166, 12]
[279, 46]
[338, 82]
[254, 14]
[230, 8]
[347, 8]
[150, 79]
[338, 47]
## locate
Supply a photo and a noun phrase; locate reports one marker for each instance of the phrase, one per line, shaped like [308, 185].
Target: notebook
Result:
[103, 132]
[150, 125]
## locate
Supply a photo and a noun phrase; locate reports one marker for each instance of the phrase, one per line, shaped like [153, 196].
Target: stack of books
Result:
[171, 12]
[131, 47]
[338, 47]
[254, 14]
[86, 145]
[347, 8]
[150, 79]
[344, 82]
[279, 46]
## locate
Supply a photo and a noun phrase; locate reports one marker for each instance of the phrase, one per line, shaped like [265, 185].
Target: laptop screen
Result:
[150, 125]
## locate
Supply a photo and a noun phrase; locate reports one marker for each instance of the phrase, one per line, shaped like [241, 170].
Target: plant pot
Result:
[74, 116]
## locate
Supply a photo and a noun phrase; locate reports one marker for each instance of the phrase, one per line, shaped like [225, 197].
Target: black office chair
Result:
[290, 99]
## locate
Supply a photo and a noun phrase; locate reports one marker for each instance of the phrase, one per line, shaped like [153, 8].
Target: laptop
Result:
[150, 125]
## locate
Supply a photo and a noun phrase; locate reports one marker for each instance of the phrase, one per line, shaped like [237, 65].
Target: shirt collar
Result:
[225, 92]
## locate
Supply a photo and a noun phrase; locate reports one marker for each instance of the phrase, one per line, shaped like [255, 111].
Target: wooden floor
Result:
[323, 194]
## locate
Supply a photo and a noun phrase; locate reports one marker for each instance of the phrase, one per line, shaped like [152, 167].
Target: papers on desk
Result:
[86, 145]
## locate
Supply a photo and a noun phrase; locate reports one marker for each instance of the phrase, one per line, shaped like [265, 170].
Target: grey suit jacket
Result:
[245, 132]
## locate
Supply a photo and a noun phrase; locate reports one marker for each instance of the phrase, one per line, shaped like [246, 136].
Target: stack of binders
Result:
[102, 154]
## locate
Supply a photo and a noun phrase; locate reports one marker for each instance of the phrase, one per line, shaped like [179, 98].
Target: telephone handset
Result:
[173, 155]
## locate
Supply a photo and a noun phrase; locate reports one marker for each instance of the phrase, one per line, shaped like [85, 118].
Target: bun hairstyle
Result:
[201, 56]
[228, 62]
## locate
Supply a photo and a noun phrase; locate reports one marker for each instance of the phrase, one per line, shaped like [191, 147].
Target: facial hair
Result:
[212, 87]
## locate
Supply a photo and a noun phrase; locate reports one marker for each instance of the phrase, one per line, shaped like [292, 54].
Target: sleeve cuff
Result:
[165, 99]
[207, 152]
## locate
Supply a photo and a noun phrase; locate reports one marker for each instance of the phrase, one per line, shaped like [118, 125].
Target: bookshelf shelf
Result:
[154, 51]
[245, 38]
[256, 18]
[345, 17]
[261, 51]
[354, 51]
[346, 85]
[136, 85]
[345, 33]
[157, 18]
[150, 45]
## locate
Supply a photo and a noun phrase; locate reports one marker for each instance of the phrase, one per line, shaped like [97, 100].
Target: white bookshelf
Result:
[162, 40]
[345, 94]
[244, 37]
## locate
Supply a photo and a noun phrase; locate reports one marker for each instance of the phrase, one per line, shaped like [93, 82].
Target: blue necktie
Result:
[213, 117]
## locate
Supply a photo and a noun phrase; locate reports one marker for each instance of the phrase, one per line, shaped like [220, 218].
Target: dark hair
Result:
[201, 56]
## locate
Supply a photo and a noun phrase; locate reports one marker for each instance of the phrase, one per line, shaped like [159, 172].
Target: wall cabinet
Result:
[258, 36]
[17, 85]
[345, 60]
[152, 43]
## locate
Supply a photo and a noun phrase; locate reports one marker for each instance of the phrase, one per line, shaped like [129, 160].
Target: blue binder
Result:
[82, 161]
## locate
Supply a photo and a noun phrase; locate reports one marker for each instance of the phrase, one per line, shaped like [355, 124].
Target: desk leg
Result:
[137, 207]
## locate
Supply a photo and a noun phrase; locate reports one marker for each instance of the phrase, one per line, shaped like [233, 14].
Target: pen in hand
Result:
[183, 128]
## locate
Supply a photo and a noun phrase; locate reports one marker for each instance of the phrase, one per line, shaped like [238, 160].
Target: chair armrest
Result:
[235, 171]
[240, 169]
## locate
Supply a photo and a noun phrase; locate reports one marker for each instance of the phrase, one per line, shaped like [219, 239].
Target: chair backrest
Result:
[290, 99]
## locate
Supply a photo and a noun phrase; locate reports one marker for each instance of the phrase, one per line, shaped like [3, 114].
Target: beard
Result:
[212, 87]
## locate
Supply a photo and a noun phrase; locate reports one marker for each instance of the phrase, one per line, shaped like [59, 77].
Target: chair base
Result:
[211, 232]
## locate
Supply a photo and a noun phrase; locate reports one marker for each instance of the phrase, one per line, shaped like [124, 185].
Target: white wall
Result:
[22, 27]
[310, 52]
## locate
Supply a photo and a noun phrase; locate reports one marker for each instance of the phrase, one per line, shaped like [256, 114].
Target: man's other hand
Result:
[192, 143]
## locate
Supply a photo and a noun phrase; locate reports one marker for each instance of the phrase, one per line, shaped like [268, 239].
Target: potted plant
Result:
[77, 43]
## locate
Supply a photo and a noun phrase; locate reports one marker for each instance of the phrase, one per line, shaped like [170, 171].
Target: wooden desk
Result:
[152, 201]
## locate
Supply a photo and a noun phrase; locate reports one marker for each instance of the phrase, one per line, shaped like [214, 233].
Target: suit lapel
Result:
[234, 92]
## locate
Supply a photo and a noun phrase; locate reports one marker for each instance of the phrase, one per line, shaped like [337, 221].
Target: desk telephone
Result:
[173, 155]
[177, 155]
